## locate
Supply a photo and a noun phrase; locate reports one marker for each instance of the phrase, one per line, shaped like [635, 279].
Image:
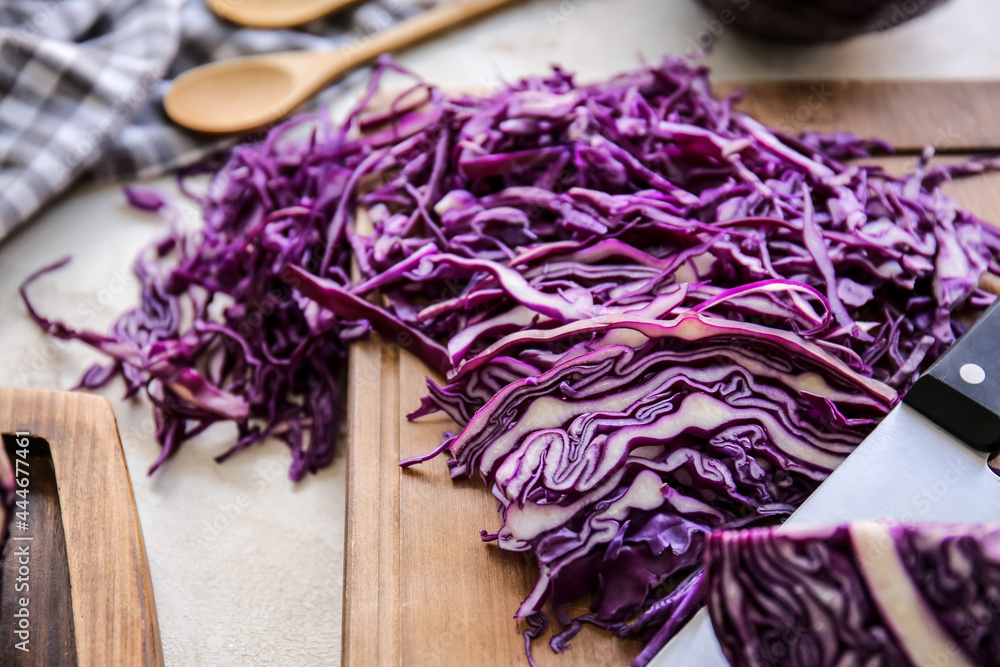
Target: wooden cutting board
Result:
[420, 587]
[76, 560]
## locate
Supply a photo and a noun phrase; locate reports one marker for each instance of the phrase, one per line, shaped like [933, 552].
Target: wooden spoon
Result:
[244, 93]
[275, 13]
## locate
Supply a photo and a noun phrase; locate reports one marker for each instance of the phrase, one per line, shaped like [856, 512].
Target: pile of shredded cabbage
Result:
[658, 318]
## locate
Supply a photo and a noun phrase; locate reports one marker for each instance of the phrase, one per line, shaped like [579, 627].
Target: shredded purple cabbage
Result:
[144, 199]
[868, 593]
[657, 317]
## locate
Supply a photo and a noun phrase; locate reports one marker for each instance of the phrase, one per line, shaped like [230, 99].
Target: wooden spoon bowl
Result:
[275, 13]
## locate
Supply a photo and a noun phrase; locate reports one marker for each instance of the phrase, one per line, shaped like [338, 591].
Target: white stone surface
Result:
[265, 589]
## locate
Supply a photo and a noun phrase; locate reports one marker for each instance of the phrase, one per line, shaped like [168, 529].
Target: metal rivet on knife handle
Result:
[972, 373]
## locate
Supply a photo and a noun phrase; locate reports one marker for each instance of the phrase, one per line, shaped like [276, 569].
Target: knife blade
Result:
[928, 460]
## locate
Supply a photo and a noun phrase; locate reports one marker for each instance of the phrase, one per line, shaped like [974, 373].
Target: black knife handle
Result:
[961, 391]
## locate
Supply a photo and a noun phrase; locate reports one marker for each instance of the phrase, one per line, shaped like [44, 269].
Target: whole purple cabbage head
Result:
[812, 20]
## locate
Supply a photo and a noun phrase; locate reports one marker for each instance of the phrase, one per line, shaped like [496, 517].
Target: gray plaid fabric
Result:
[81, 83]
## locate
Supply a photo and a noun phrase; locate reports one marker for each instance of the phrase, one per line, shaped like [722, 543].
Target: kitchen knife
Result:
[926, 461]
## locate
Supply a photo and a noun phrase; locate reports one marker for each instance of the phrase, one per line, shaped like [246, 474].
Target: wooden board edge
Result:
[114, 611]
[954, 116]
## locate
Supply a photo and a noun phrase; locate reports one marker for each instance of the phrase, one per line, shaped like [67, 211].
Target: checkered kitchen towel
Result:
[81, 83]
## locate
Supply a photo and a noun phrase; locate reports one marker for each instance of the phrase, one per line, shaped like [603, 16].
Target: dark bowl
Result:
[816, 20]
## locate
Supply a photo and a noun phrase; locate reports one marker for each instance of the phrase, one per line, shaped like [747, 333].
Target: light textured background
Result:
[262, 586]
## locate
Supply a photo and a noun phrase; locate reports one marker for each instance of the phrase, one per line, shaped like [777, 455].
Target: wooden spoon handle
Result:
[422, 26]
